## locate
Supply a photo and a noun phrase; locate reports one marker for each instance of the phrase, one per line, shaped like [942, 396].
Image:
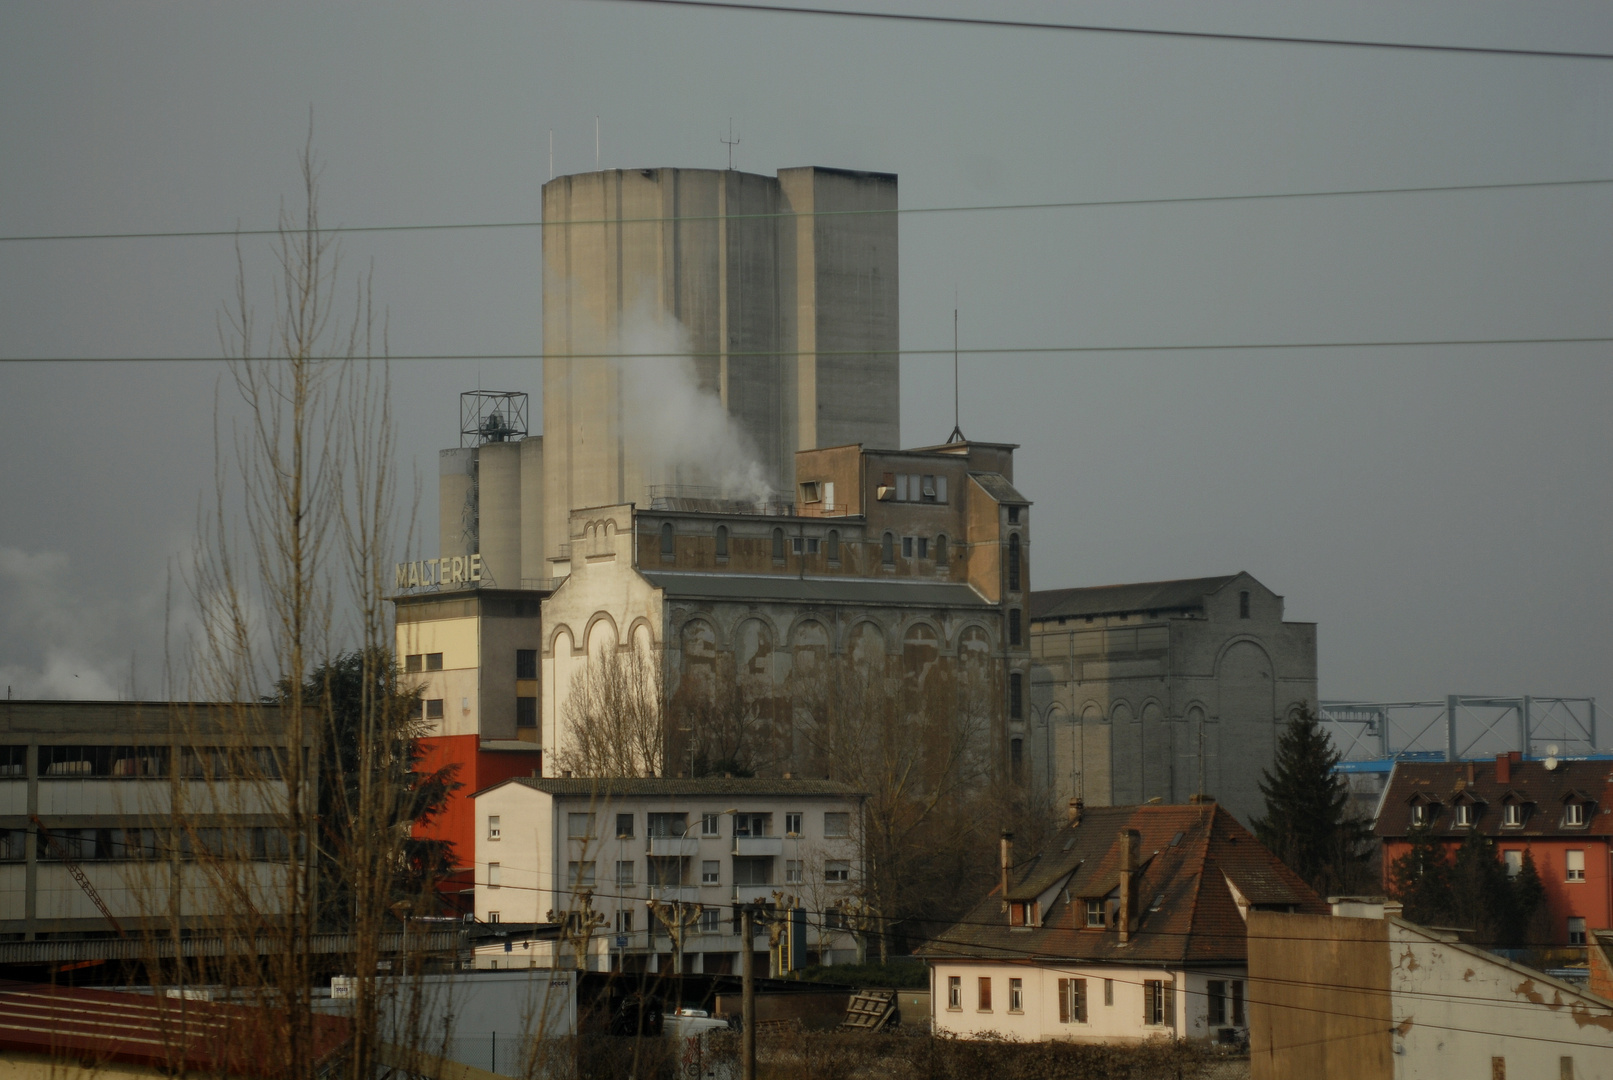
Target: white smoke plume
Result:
[676, 427]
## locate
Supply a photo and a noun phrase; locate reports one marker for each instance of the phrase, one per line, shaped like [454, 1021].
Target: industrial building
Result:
[1165, 689]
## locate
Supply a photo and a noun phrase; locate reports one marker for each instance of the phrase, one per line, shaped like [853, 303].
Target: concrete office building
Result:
[1165, 689]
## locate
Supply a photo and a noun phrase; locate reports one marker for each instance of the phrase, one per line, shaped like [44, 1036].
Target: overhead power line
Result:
[1027, 350]
[1180, 200]
[1134, 31]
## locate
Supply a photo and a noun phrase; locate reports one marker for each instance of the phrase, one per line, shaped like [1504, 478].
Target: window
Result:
[983, 994]
[1013, 515]
[413, 663]
[1072, 1001]
[1514, 815]
[1576, 930]
[710, 872]
[1095, 912]
[1237, 1002]
[924, 547]
[804, 545]
[710, 920]
[665, 871]
[494, 875]
[1016, 759]
[907, 547]
[624, 826]
[668, 542]
[526, 712]
[710, 824]
[955, 992]
[1108, 991]
[941, 550]
[753, 870]
[1574, 864]
[1016, 696]
[1464, 815]
[492, 917]
[837, 870]
[792, 872]
[722, 541]
[940, 489]
[624, 921]
[809, 491]
[1513, 861]
[832, 545]
[836, 825]
[417, 709]
[434, 708]
[668, 825]
[492, 826]
[526, 663]
[580, 874]
[1421, 814]
[1013, 563]
[1574, 814]
[434, 661]
[1216, 991]
[1016, 995]
[1013, 626]
[579, 826]
[1159, 1005]
[792, 824]
[887, 549]
[752, 824]
[1243, 605]
[625, 871]
[778, 545]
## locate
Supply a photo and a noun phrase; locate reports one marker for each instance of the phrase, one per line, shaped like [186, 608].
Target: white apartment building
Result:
[628, 857]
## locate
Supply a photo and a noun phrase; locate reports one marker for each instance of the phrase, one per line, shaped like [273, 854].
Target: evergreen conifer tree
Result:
[1307, 823]
[1421, 880]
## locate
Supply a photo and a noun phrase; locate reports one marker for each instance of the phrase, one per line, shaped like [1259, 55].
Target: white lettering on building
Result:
[443, 570]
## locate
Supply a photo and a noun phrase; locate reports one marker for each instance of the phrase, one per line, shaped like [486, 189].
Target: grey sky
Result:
[1443, 513]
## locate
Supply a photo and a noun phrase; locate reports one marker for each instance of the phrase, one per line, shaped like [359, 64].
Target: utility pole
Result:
[747, 997]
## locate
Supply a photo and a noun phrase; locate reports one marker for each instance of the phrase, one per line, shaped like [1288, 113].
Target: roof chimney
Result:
[1077, 808]
[1128, 884]
[1503, 768]
[1471, 773]
[1006, 859]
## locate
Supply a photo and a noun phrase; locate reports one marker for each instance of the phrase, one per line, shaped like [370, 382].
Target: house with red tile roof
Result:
[1129, 926]
[1561, 815]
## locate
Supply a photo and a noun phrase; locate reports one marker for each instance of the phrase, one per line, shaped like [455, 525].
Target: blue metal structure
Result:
[1372, 735]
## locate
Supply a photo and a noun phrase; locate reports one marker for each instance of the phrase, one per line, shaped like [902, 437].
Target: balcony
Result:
[682, 847]
[758, 845]
[671, 894]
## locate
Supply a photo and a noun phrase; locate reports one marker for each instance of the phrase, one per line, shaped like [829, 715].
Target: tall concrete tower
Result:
[782, 290]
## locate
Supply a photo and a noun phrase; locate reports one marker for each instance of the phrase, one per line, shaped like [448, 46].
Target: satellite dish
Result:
[1552, 751]
[1551, 763]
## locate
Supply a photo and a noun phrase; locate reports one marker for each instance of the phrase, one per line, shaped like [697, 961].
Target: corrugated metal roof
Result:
[672, 786]
[895, 592]
[1187, 593]
[172, 1035]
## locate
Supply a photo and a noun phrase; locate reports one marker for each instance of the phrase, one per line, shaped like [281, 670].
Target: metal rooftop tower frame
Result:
[1460, 726]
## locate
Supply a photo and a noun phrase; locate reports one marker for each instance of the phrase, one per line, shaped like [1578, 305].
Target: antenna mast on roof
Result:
[957, 429]
[729, 142]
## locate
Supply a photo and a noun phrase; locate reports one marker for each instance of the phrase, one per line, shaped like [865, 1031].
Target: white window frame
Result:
[954, 993]
[1464, 815]
[492, 826]
[792, 823]
[1514, 816]
[1016, 995]
[710, 825]
[837, 871]
[587, 821]
[1571, 872]
[494, 875]
[711, 871]
[1574, 814]
[792, 871]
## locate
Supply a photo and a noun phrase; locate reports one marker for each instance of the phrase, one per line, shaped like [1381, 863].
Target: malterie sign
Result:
[446, 570]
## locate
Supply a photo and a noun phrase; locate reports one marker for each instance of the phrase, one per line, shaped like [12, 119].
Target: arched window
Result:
[1013, 626]
[667, 549]
[1016, 696]
[941, 550]
[778, 545]
[832, 545]
[1243, 605]
[722, 541]
[887, 550]
[1013, 563]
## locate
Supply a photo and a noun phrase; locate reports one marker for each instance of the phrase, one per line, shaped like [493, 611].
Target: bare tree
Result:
[615, 716]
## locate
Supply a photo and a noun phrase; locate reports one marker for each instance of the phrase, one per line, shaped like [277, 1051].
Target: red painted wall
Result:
[1591, 899]
[478, 769]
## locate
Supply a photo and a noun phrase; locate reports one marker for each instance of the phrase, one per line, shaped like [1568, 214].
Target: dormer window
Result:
[1095, 912]
[1574, 815]
[1514, 816]
[1422, 814]
[1464, 816]
[1024, 913]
